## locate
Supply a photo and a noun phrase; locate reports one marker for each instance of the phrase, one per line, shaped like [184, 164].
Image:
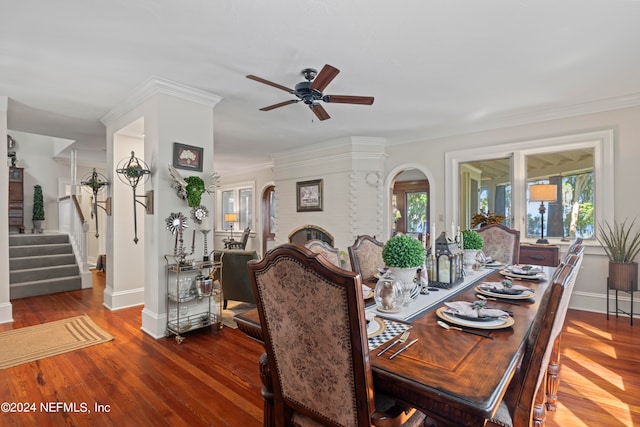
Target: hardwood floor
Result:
[212, 378]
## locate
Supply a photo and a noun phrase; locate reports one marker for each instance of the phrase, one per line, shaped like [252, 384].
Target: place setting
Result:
[524, 272]
[505, 289]
[473, 315]
[381, 331]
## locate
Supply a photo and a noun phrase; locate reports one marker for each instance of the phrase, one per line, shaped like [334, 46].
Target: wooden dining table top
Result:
[458, 377]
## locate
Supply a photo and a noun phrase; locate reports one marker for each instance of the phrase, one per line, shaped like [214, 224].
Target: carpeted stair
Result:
[41, 264]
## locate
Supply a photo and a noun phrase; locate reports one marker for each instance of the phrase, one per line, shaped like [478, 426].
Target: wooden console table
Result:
[547, 255]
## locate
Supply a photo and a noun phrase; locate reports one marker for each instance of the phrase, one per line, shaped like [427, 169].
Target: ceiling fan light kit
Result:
[311, 91]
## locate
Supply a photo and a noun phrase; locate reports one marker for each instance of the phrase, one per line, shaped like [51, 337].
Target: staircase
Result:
[41, 264]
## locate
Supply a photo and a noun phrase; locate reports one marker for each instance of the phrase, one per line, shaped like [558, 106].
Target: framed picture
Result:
[309, 195]
[187, 157]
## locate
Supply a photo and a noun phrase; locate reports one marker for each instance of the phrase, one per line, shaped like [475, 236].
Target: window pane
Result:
[227, 207]
[272, 212]
[571, 214]
[485, 186]
[416, 212]
[246, 208]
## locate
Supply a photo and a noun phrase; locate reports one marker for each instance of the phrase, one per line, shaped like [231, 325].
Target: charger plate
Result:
[375, 327]
[494, 324]
[523, 295]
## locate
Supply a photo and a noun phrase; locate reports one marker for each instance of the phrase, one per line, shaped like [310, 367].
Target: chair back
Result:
[501, 243]
[528, 387]
[366, 256]
[576, 245]
[315, 337]
[242, 243]
[330, 253]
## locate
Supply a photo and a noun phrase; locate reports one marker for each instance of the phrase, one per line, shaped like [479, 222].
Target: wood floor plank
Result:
[212, 378]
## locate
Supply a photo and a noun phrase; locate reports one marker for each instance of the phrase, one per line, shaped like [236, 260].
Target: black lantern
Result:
[448, 263]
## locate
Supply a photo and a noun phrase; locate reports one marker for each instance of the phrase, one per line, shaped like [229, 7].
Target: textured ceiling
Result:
[434, 67]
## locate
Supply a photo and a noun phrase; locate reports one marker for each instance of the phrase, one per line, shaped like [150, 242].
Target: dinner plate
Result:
[523, 295]
[375, 327]
[537, 276]
[369, 295]
[494, 264]
[493, 324]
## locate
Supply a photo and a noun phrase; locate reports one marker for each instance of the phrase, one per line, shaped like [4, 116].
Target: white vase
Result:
[406, 277]
[469, 257]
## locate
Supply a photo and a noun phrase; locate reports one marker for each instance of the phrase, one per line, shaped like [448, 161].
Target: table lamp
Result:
[231, 218]
[543, 193]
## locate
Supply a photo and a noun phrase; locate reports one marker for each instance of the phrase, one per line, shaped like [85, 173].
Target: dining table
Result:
[456, 378]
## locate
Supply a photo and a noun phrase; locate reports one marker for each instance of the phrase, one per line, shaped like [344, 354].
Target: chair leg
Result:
[267, 392]
[553, 376]
[539, 412]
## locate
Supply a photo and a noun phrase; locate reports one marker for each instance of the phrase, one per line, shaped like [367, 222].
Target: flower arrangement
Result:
[472, 240]
[402, 251]
[480, 219]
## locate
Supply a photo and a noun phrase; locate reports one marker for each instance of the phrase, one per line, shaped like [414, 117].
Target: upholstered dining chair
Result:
[501, 243]
[366, 256]
[523, 404]
[239, 244]
[315, 336]
[330, 253]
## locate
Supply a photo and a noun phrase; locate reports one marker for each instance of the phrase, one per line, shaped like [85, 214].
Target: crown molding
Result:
[155, 85]
[524, 117]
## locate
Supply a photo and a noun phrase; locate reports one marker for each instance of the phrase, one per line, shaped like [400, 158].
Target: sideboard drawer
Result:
[548, 255]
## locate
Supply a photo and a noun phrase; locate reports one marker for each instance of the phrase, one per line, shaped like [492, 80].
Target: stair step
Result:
[23, 263]
[45, 287]
[33, 250]
[37, 239]
[42, 273]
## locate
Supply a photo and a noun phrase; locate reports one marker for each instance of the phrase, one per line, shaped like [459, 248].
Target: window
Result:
[238, 200]
[580, 165]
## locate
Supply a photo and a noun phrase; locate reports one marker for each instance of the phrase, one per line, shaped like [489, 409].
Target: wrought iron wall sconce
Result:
[134, 171]
[96, 183]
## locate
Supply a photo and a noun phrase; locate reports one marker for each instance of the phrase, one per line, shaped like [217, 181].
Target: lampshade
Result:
[543, 193]
[231, 217]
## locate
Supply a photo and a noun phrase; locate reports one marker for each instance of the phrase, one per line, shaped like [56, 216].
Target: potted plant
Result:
[38, 209]
[622, 245]
[472, 243]
[403, 255]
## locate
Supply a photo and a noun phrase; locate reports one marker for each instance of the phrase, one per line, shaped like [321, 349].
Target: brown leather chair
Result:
[315, 336]
[501, 243]
[366, 256]
[330, 253]
[524, 402]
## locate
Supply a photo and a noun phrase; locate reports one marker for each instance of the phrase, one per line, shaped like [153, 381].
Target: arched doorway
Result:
[410, 204]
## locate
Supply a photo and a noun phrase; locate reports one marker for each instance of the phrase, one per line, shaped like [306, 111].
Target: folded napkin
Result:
[523, 271]
[500, 287]
[471, 310]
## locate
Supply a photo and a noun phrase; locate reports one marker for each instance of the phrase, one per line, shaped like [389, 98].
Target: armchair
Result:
[236, 285]
[239, 244]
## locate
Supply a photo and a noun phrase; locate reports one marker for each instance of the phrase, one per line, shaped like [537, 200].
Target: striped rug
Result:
[25, 345]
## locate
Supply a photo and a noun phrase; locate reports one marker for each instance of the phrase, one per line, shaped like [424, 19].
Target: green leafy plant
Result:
[472, 240]
[38, 204]
[195, 188]
[402, 251]
[620, 242]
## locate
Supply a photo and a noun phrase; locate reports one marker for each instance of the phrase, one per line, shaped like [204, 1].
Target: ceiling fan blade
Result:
[280, 104]
[346, 99]
[324, 77]
[267, 82]
[319, 111]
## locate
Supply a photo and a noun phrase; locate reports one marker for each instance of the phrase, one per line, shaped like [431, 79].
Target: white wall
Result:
[6, 313]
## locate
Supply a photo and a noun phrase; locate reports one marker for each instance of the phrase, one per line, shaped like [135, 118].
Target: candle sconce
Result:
[133, 172]
[95, 184]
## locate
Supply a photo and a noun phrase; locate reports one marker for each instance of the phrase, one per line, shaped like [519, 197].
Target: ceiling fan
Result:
[310, 92]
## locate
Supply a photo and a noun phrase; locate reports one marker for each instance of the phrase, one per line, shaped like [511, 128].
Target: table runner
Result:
[426, 302]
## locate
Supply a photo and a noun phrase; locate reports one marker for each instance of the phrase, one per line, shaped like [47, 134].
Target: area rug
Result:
[49, 339]
[234, 308]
